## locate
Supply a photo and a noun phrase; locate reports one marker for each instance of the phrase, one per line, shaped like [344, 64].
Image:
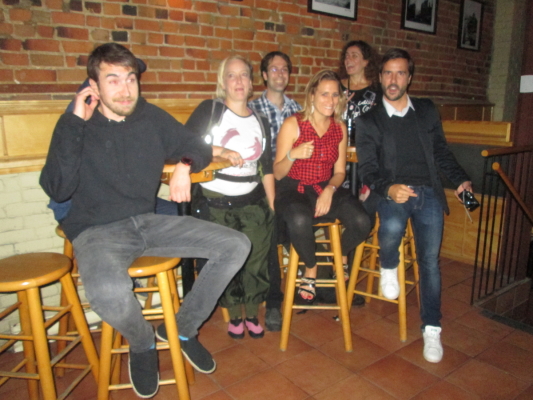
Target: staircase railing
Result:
[504, 229]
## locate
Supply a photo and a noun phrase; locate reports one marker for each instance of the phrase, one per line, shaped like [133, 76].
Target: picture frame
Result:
[346, 9]
[470, 22]
[420, 15]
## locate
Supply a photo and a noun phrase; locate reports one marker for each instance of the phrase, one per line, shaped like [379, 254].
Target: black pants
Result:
[298, 209]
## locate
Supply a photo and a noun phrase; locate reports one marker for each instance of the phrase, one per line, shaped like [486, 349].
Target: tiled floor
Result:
[483, 359]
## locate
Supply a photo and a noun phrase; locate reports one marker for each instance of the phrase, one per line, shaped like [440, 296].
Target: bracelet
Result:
[289, 156]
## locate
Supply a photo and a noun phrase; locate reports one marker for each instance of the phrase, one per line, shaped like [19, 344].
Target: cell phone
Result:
[469, 200]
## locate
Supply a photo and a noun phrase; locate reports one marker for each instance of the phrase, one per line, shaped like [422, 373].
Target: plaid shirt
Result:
[319, 167]
[274, 114]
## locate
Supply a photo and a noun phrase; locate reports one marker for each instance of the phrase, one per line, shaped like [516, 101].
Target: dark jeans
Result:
[274, 295]
[427, 218]
[105, 252]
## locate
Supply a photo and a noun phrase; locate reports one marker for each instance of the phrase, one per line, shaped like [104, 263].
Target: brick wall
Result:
[44, 43]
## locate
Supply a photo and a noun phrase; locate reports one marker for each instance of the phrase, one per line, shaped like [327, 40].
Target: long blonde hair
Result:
[221, 92]
[310, 90]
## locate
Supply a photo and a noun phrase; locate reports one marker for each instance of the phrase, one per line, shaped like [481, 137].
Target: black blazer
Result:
[376, 149]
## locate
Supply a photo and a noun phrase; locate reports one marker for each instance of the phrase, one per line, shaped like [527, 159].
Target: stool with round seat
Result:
[365, 266]
[111, 347]
[25, 274]
[291, 281]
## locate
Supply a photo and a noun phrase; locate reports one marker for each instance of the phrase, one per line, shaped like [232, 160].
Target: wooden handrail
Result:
[497, 167]
[500, 151]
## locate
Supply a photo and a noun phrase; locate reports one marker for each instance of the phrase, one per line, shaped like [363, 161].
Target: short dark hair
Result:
[369, 54]
[111, 53]
[395, 53]
[265, 62]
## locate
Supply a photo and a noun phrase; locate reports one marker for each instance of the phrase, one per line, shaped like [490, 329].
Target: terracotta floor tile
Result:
[312, 371]
[385, 334]
[235, 364]
[203, 386]
[316, 330]
[465, 339]
[220, 395]
[268, 384]
[510, 358]
[487, 381]
[364, 352]
[526, 394]
[452, 308]
[354, 387]
[459, 292]
[413, 317]
[267, 348]
[475, 320]
[215, 338]
[521, 339]
[381, 307]
[446, 391]
[398, 377]
[451, 360]
[362, 316]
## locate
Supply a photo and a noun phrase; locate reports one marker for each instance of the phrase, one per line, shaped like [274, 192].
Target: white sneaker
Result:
[389, 283]
[432, 347]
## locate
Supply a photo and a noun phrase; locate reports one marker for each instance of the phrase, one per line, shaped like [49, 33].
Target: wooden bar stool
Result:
[111, 347]
[292, 281]
[367, 254]
[25, 274]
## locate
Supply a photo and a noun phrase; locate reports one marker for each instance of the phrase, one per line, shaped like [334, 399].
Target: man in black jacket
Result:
[107, 155]
[401, 150]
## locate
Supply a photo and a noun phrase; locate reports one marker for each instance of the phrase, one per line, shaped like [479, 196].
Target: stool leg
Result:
[372, 263]
[225, 314]
[290, 285]
[402, 306]
[355, 272]
[172, 333]
[335, 237]
[105, 361]
[41, 344]
[81, 323]
[280, 260]
[29, 348]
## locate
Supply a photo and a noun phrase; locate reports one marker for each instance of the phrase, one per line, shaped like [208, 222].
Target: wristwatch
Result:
[186, 161]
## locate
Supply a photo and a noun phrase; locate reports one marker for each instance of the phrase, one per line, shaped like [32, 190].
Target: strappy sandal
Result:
[346, 274]
[310, 284]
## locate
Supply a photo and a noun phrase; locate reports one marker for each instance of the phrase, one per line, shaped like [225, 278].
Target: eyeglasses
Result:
[275, 70]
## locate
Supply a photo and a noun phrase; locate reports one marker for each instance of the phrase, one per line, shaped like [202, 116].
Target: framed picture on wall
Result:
[420, 15]
[470, 25]
[335, 8]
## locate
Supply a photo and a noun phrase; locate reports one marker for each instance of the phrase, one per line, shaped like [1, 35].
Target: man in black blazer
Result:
[401, 150]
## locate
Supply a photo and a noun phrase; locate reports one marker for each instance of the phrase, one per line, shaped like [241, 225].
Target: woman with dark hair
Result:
[310, 166]
[359, 80]
[240, 197]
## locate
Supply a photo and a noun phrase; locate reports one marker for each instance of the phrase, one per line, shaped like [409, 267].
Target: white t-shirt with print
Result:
[241, 134]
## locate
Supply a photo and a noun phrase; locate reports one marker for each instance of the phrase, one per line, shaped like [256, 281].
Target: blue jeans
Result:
[105, 252]
[427, 218]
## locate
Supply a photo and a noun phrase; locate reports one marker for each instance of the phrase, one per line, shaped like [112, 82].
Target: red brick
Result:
[169, 27]
[124, 23]
[71, 61]
[41, 45]
[169, 76]
[72, 33]
[246, 12]
[183, 4]
[195, 41]
[93, 21]
[288, 8]
[6, 29]
[228, 10]
[188, 64]
[189, 29]
[54, 4]
[24, 31]
[100, 35]
[145, 25]
[197, 53]
[171, 52]
[225, 44]
[140, 50]
[35, 75]
[265, 37]
[146, 12]
[108, 23]
[243, 45]
[149, 76]
[10, 44]
[6, 75]
[191, 17]
[158, 64]
[137, 37]
[223, 33]
[205, 6]
[206, 31]
[14, 59]
[176, 40]
[193, 77]
[160, 3]
[156, 38]
[71, 75]
[245, 35]
[176, 15]
[203, 65]
[47, 60]
[45, 31]
[19, 14]
[77, 47]
[60, 18]
[112, 9]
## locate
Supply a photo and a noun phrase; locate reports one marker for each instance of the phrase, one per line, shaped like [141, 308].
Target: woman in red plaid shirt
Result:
[310, 166]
